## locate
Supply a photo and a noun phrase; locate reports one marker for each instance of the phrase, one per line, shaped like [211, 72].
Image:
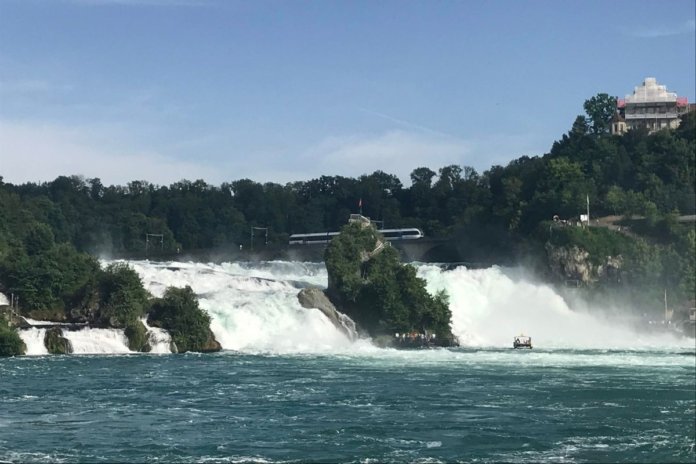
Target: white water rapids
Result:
[254, 309]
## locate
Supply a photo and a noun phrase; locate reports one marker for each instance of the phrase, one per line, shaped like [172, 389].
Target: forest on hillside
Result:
[503, 209]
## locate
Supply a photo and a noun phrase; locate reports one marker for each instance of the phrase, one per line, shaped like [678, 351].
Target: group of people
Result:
[526, 341]
[413, 336]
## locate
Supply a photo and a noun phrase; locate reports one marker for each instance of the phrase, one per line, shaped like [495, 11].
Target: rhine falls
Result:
[254, 309]
[289, 386]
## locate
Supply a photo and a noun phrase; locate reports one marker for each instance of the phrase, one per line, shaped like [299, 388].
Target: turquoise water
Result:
[484, 405]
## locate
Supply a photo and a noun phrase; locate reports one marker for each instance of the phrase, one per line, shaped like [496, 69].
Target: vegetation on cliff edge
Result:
[382, 295]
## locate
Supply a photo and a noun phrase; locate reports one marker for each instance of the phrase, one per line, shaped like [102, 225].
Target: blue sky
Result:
[280, 91]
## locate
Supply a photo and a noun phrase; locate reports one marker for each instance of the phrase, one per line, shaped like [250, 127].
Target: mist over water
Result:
[491, 306]
[254, 309]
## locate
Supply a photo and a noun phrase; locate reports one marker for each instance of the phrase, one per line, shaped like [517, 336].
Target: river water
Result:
[289, 387]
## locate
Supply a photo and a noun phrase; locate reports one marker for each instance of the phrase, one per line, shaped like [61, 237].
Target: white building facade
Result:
[651, 107]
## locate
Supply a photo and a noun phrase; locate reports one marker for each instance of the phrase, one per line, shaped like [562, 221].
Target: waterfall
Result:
[97, 341]
[490, 306]
[34, 340]
[254, 307]
[349, 326]
[160, 340]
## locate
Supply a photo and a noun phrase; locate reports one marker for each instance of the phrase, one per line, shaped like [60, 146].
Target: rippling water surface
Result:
[419, 406]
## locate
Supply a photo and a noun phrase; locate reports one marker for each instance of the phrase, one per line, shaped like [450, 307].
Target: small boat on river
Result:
[522, 341]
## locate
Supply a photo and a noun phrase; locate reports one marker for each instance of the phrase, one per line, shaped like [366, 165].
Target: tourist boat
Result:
[522, 341]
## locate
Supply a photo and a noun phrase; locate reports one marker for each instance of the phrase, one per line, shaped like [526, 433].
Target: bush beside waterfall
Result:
[136, 333]
[178, 312]
[54, 282]
[11, 343]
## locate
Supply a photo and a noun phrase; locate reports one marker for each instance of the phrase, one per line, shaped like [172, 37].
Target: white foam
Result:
[254, 308]
[3, 300]
[37, 322]
[489, 307]
[160, 340]
[97, 341]
[34, 340]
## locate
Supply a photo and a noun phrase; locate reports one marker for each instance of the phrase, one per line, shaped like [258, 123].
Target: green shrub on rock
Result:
[55, 342]
[136, 333]
[189, 326]
[124, 299]
[11, 344]
[368, 282]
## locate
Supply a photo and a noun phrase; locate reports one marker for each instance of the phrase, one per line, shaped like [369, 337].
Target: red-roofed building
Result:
[651, 107]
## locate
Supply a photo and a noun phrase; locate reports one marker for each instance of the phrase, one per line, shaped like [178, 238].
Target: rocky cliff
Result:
[572, 263]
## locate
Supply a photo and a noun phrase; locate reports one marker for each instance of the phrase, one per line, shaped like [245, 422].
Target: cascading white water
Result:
[490, 306]
[3, 300]
[254, 308]
[34, 340]
[160, 340]
[97, 341]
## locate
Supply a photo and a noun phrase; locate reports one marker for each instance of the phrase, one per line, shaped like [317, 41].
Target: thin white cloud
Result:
[687, 27]
[405, 123]
[34, 152]
[38, 152]
[395, 152]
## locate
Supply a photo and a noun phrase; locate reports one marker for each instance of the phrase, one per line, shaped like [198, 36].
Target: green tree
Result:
[11, 343]
[123, 298]
[580, 127]
[600, 110]
[39, 239]
[178, 312]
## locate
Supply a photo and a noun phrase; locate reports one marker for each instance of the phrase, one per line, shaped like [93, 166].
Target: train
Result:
[410, 233]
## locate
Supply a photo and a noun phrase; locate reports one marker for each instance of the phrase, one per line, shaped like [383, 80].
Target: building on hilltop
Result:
[618, 124]
[651, 107]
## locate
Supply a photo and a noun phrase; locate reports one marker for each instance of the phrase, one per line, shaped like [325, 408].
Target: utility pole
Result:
[147, 241]
[251, 239]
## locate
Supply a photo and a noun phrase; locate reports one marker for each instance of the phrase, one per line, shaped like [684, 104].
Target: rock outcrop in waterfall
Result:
[317, 299]
[368, 283]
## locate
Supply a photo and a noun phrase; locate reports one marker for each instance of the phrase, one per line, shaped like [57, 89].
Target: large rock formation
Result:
[55, 342]
[317, 299]
[571, 263]
[211, 345]
[368, 282]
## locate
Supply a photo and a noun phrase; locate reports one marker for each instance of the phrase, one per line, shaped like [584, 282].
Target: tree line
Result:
[500, 209]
